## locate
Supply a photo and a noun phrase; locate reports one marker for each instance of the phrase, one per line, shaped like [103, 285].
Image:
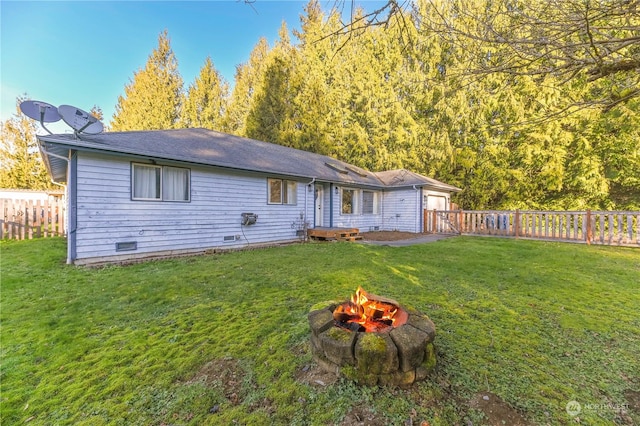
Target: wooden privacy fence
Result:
[620, 228]
[27, 219]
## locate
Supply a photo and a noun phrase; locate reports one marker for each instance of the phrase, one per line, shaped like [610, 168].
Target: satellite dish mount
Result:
[41, 111]
[80, 121]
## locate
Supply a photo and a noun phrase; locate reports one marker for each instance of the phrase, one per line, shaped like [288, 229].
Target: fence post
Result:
[425, 230]
[589, 230]
[434, 222]
[516, 223]
[460, 226]
[23, 220]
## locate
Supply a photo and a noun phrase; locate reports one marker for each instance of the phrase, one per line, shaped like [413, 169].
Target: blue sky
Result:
[82, 53]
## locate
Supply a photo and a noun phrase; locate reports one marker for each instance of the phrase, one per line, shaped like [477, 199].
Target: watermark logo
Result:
[573, 408]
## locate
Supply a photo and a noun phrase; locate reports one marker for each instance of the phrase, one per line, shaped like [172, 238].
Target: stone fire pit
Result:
[398, 355]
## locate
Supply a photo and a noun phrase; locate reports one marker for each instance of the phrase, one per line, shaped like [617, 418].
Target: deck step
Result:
[334, 234]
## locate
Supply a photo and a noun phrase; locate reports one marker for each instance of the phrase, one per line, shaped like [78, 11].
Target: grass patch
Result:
[538, 324]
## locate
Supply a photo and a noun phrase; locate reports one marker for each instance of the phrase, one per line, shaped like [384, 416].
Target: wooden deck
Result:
[334, 234]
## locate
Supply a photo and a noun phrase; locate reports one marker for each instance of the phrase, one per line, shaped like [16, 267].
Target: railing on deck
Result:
[621, 228]
[27, 219]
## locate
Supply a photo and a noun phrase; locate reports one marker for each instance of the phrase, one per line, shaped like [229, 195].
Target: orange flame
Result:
[368, 312]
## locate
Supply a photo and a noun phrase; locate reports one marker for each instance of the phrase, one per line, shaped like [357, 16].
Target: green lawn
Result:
[224, 338]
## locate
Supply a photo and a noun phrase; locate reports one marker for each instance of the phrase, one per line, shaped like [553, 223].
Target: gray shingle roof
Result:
[208, 147]
[402, 178]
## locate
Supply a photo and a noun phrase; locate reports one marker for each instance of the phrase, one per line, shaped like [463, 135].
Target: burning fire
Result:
[368, 312]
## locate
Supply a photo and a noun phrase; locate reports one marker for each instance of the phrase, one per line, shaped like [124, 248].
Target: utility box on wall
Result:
[249, 218]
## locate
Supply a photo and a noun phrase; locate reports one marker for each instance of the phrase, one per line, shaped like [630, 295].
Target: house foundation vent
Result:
[127, 246]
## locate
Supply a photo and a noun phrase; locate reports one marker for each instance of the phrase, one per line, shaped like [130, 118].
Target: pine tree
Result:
[21, 166]
[497, 136]
[152, 99]
[96, 111]
[269, 110]
[248, 78]
[379, 131]
[205, 101]
[315, 114]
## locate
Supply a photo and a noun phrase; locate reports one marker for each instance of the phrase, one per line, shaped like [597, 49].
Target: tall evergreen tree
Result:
[316, 115]
[205, 101]
[96, 111]
[152, 99]
[505, 146]
[267, 117]
[378, 130]
[248, 78]
[21, 166]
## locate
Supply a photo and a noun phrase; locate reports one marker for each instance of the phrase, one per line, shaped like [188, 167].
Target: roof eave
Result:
[88, 146]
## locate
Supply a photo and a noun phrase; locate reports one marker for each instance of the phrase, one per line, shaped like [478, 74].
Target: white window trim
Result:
[358, 201]
[290, 187]
[161, 168]
[133, 182]
[376, 202]
[355, 199]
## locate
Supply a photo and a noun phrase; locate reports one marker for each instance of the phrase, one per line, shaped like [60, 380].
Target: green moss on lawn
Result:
[538, 324]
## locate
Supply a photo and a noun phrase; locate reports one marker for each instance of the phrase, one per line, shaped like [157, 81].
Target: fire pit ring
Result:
[396, 356]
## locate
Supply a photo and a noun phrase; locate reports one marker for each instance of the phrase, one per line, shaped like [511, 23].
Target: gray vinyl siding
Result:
[401, 210]
[398, 211]
[364, 222]
[106, 215]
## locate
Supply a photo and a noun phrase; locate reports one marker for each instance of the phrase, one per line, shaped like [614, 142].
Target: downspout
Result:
[420, 213]
[306, 191]
[382, 204]
[331, 205]
[71, 216]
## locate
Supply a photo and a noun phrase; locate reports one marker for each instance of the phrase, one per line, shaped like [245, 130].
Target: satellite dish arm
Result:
[42, 111]
[90, 121]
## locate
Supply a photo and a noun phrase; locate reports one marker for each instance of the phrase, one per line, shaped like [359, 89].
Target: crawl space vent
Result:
[127, 246]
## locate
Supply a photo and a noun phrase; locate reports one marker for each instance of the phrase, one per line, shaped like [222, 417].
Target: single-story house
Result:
[143, 194]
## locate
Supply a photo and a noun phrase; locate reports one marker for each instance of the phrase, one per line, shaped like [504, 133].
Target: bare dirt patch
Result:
[633, 399]
[362, 416]
[497, 411]
[312, 374]
[388, 235]
[228, 374]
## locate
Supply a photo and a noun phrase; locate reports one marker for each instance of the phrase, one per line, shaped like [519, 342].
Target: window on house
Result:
[160, 183]
[348, 201]
[369, 202]
[282, 191]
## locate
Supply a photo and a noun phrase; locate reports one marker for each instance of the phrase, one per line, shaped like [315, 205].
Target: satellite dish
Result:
[79, 120]
[41, 111]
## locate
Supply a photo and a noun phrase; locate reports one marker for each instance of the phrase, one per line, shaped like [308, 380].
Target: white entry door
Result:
[319, 195]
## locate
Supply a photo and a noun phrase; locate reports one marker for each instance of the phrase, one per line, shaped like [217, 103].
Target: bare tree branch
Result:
[565, 38]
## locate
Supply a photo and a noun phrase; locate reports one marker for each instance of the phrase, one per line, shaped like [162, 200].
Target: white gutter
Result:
[306, 191]
[66, 194]
[419, 221]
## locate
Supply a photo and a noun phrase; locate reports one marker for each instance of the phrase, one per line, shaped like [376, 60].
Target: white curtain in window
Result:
[175, 184]
[292, 192]
[146, 182]
[367, 202]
